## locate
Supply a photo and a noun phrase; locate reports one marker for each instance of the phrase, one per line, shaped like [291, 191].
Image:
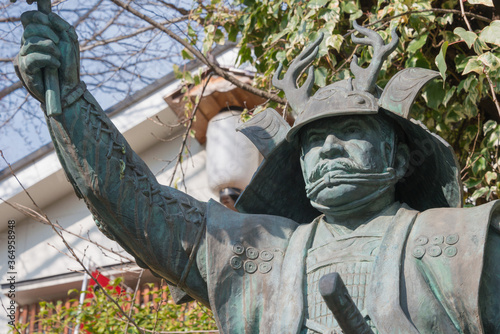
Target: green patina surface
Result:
[353, 171]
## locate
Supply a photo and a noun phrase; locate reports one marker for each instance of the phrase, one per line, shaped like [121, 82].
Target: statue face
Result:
[338, 151]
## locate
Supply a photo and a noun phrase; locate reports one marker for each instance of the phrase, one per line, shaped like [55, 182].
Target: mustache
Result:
[348, 166]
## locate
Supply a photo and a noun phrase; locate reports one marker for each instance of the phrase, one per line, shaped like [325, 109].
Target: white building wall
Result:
[41, 253]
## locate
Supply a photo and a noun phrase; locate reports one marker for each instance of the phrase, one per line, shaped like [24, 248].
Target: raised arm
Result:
[160, 226]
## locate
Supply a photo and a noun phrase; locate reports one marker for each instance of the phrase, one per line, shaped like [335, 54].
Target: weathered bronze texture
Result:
[50, 76]
[355, 187]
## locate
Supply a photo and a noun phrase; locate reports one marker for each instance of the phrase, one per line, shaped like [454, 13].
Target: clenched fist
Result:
[48, 42]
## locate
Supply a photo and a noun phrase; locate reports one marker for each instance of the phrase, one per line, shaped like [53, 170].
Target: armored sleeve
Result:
[160, 226]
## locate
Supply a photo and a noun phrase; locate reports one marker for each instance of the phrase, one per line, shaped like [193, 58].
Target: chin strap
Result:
[352, 206]
[385, 181]
[329, 180]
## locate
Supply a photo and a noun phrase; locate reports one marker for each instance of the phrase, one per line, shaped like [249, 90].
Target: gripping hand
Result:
[48, 42]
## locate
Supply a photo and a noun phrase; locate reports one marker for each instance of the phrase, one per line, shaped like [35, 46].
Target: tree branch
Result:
[10, 19]
[214, 67]
[181, 11]
[86, 46]
[492, 88]
[87, 14]
[7, 90]
[188, 128]
[462, 11]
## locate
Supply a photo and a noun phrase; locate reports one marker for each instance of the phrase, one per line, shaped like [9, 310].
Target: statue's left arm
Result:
[489, 294]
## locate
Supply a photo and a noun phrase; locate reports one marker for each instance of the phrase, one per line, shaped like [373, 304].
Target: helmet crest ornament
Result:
[360, 95]
[366, 78]
[298, 96]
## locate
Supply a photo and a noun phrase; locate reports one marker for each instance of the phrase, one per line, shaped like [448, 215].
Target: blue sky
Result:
[111, 71]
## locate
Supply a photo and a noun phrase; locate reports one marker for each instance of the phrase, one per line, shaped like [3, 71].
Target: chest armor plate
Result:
[353, 259]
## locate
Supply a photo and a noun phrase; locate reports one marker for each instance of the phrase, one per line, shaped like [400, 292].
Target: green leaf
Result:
[188, 77]
[207, 44]
[349, 7]
[320, 75]
[186, 54]
[449, 95]
[454, 115]
[335, 41]
[317, 3]
[480, 192]
[191, 32]
[489, 126]
[472, 182]
[417, 43]
[277, 36]
[197, 80]
[479, 165]
[434, 94]
[209, 29]
[232, 34]
[356, 15]
[468, 36]
[461, 61]
[490, 176]
[480, 46]
[440, 60]
[489, 60]
[481, 2]
[177, 71]
[281, 56]
[491, 34]
[219, 37]
[418, 60]
[330, 15]
[470, 82]
[473, 65]
[494, 138]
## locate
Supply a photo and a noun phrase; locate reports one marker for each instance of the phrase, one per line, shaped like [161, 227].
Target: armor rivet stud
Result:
[252, 253]
[437, 239]
[266, 255]
[418, 252]
[434, 251]
[452, 239]
[278, 251]
[235, 262]
[421, 240]
[250, 267]
[238, 249]
[265, 267]
[450, 251]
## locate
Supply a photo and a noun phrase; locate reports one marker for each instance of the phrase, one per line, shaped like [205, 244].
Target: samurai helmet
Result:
[433, 178]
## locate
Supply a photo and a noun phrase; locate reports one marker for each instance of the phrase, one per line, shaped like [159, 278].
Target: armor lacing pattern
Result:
[101, 140]
[355, 275]
[99, 124]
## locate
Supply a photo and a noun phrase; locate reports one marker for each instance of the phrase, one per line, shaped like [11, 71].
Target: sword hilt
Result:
[50, 75]
[339, 301]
